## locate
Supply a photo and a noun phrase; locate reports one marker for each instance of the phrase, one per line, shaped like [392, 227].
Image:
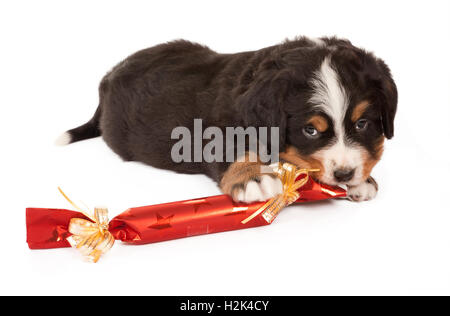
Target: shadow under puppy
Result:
[333, 103]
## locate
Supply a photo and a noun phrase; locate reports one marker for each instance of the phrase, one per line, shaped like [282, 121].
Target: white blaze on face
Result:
[330, 97]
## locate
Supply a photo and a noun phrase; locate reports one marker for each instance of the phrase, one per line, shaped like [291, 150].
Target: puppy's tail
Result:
[88, 130]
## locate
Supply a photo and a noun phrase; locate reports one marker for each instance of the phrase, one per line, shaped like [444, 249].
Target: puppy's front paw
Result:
[364, 191]
[261, 188]
[246, 182]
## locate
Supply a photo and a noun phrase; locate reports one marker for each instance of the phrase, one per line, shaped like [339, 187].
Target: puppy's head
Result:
[334, 104]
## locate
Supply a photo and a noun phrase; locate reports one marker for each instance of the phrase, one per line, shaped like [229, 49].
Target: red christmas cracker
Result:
[93, 235]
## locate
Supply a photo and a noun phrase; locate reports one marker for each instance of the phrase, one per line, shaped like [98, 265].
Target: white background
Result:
[52, 57]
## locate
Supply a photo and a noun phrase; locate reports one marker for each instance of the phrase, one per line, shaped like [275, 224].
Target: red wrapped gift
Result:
[94, 235]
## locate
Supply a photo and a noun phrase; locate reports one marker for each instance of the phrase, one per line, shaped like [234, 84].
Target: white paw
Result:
[262, 190]
[362, 192]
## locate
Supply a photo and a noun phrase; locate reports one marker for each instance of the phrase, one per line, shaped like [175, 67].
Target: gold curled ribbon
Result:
[287, 173]
[91, 238]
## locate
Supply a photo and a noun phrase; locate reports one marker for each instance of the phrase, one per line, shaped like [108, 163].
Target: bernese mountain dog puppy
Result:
[333, 103]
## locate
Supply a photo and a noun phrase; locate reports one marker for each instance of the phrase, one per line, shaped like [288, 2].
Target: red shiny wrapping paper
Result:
[48, 228]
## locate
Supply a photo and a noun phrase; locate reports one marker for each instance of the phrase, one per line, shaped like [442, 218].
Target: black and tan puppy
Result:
[333, 103]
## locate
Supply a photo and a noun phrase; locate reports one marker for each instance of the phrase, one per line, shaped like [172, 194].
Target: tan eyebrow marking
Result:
[359, 110]
[319, 123]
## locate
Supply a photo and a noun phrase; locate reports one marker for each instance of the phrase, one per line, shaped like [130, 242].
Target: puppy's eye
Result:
[310, 132]
[361, 125]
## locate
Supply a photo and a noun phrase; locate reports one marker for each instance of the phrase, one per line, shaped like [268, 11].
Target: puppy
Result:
[334, 105]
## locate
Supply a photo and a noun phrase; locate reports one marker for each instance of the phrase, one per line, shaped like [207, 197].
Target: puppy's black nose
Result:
[343, 175]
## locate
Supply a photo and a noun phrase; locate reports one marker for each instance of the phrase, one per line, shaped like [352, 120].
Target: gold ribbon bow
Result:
[287, 173]
[91, 238]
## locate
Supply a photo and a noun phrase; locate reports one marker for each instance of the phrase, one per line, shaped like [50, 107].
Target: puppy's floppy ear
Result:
[388, 99]
[261, 104]
[378, 74]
